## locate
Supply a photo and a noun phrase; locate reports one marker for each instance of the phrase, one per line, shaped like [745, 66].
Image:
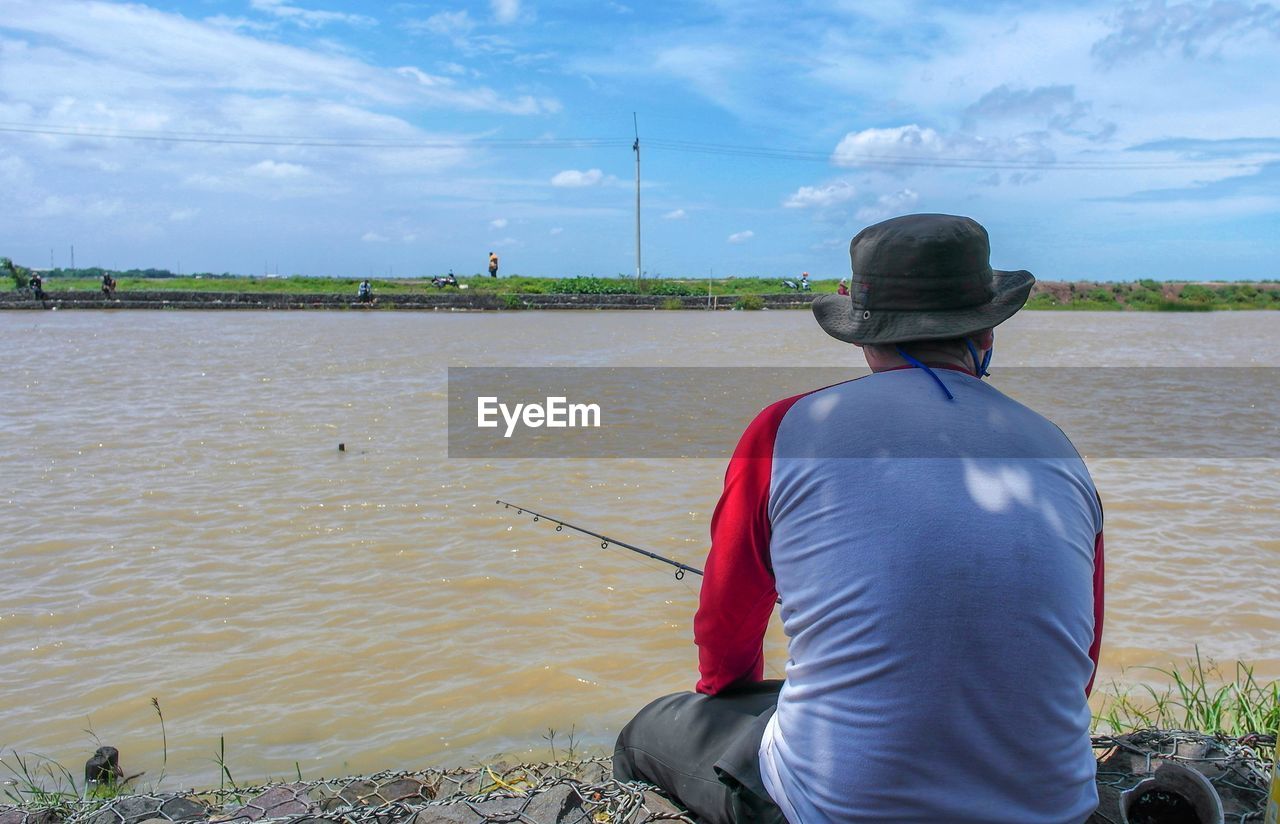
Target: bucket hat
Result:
[922, 277]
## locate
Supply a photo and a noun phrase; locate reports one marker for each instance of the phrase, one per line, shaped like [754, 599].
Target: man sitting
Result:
[937, 548]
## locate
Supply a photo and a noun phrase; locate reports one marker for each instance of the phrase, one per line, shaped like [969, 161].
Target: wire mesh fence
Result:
[565, 791]
[1238, 768]
[584, 792]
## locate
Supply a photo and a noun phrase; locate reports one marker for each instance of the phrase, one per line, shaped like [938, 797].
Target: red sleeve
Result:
[738, 592]
[1099, 602]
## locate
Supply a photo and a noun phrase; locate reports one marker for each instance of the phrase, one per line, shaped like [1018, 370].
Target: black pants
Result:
[704, 752]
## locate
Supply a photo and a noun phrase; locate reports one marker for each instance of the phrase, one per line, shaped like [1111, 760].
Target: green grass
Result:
[1145, 295]
[1195, 696]
[38, 781]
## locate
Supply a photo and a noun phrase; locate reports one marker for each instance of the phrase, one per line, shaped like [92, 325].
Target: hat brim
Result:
[839, 319]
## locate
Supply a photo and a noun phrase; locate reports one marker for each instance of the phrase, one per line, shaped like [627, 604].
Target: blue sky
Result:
[1094, 140]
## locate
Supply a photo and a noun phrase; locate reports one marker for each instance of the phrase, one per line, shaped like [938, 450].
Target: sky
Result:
[1094, 140]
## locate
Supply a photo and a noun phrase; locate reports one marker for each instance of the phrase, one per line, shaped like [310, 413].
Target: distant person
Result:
[804, 281]
[37, 285]
[108, 285]
[365, 292]
[843, 288]
[493, 264]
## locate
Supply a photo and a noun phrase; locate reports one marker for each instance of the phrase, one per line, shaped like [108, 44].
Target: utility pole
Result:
[636, 148]
[73, 258]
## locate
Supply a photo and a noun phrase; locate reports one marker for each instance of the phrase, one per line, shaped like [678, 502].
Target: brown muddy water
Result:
[177, 523]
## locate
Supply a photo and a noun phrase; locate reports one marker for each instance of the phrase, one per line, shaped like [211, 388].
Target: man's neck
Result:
[881, 360]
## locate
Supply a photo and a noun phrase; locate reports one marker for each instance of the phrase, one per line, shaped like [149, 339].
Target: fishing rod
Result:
[605, 540]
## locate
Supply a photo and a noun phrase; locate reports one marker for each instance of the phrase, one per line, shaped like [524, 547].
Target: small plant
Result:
[750, 303]
[27, 787]
[512, 302]
[1196, 293]
[164, 741]
[672, 303]
[21, 275]
[224, 772]
[593, 286]
[669, 287]
[1198, 696]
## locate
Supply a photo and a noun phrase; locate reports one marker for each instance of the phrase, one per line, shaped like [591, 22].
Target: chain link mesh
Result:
[1238, 768]
[568, 792]
[584, 792]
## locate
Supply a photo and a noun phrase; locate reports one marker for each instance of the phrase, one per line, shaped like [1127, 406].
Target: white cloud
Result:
[14, 169]
[277, 170]
[506, 11]
[574, 179]
[898, 143]
[448, 23]
[556, 230]
[675, 214]
[1187, 27]
[481, 98]
[821, 196]
[222, 21]
[1054, 106]
[498, 223]
[308, 18]
[741, 237]
[374, 237]
[911, 147]
[889, 205]
[183, 215]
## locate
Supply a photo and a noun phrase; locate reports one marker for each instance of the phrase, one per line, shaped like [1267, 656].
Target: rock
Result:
[409, 790]
[558, 805]
[660, 804]
[285, 801]
[26, 817]
[127, 810]
[179, 809]
[358, 793]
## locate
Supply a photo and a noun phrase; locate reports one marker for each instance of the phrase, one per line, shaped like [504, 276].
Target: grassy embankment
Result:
[1148, 295]
[1196, 696]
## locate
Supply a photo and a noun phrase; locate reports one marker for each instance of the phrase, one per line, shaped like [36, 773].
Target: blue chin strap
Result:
[979, 368]
[918, 365]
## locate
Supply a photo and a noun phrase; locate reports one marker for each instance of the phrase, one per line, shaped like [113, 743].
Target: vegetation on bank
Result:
[1135, 295]
[1195, 696]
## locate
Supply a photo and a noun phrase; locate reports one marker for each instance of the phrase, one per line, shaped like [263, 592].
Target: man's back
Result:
[935, 561]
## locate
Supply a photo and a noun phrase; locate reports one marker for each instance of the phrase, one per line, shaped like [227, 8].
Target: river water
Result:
[179, 524]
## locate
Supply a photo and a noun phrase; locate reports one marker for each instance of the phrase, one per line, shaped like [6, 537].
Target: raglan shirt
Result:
[940, 568]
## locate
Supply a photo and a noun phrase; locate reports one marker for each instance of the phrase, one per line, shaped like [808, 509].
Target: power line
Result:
[320, 142]
[659, 144]
[852, 159]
